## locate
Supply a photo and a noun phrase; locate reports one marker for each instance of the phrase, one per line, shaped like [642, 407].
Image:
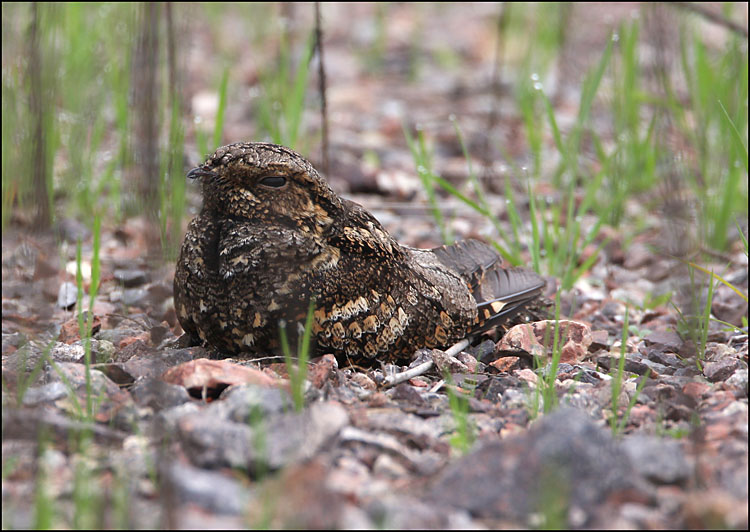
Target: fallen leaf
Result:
[213, 376]
[71, 333]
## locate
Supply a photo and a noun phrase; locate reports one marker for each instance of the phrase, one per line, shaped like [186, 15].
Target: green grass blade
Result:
[631, 403]
[617, 380]
[718, 278]
[741, 148]
[535, 246]
[219, 126]
[421, 157]
[296, 103]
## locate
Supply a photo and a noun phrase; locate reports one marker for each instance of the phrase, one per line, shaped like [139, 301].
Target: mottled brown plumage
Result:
[272, 234]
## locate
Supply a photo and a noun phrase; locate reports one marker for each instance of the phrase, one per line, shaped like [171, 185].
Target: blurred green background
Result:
[106, 105]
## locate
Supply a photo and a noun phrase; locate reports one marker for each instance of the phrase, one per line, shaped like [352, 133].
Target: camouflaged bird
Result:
[272, 235]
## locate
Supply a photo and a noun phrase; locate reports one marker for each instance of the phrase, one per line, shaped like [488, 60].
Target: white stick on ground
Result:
[423, 368]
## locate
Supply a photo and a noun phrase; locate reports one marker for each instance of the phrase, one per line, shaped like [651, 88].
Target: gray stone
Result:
[660, 461]
[132, 278]
[45, 394]
[666, 358]
[267, 443]
[158, 394]
[599, 340]
[61, 352]
[494, 388]
[564, 455]
[134, 297]
[395, 420]
[408, 512]
[211, 490]
[721, 369]
[214, 443]
[72, 230]
[67, 295]
[99, 350]
[102, 351]
[240, 402]
[738, 379]
[687, 371]
[634, 364]
[657, 368]
[664, 340]
[16, 340]
[27, 423]
[142, 361]
[24, 361]
[294, 437]
[168, 419]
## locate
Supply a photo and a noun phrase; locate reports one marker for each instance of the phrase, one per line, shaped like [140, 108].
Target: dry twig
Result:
[713, 16]
[423, 368]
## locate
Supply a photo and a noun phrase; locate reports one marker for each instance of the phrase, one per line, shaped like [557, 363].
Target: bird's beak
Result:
[199, 171]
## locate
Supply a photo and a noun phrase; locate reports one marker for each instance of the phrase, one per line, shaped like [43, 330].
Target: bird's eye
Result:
[275, 181]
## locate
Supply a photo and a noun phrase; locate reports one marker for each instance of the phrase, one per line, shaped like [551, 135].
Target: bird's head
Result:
[260, 181]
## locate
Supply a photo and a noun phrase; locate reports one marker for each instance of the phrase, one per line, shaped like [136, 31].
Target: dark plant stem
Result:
[714, 16]
[145, 101]
[322, 89]
[174, 84]
[42, 216]
[563, 59]
[494, 116]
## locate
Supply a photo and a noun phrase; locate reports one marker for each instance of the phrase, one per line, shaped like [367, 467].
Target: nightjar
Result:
[272, 236]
